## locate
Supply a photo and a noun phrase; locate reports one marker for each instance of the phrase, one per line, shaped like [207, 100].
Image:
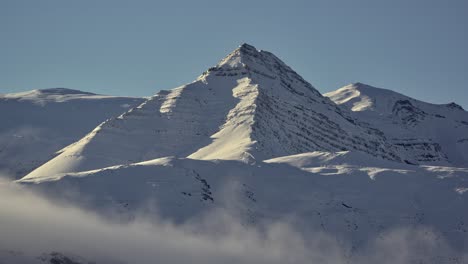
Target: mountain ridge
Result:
[366, 88]
[57, 90]
[438, 129]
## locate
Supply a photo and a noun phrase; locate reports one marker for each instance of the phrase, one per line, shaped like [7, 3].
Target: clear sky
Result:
[133, 47]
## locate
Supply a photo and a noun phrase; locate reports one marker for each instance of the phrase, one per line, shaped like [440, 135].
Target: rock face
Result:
[429, 133]
[250, 107]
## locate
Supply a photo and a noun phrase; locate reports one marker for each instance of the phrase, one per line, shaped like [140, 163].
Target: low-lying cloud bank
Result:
[33, 225]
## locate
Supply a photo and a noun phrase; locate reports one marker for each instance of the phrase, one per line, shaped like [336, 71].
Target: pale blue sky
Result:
[417, 47]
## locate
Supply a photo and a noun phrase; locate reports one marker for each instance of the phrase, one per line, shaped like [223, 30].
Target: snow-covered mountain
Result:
[252, 137]
[434, 133]
[36, 124]
[250, 107]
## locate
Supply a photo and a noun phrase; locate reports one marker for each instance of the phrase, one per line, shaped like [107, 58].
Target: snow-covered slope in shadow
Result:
[36, 124]
[434, 133]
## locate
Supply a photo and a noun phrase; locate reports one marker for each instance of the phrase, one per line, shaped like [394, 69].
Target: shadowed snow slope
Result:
[249, 107]
[432, 132]
[36, 124]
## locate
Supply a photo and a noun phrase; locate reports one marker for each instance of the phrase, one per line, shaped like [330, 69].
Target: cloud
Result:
[34, 225]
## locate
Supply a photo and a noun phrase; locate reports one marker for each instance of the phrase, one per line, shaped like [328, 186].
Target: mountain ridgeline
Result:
[431, 133]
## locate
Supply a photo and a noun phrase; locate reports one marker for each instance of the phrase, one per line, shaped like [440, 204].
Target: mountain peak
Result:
[454, 105]
[247, 56]
[239, 56]
[246, 46]
[365, 87]
[260, 65]
[360, 84]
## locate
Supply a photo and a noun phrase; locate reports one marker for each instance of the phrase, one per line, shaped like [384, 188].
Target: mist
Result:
[33, 225]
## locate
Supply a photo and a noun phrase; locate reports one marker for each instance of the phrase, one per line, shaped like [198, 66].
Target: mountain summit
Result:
[251, 106]
[260, 62]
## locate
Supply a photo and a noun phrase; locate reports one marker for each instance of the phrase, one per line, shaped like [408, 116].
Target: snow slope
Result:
[36, 124]
[433, 132]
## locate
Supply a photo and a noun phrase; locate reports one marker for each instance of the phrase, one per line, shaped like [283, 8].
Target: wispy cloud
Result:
[34, 225]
